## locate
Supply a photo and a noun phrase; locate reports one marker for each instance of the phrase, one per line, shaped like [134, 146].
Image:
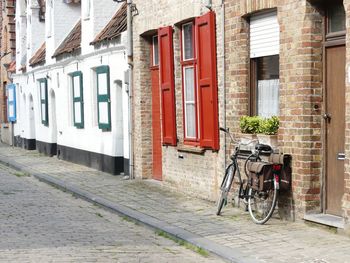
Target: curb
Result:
[226, 253]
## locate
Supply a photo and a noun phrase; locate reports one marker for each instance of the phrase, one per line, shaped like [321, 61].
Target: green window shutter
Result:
[78, 99]
[44, 102]
[103, 98]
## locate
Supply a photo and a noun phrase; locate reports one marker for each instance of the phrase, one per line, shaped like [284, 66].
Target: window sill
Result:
[190, 149]
[154, 67]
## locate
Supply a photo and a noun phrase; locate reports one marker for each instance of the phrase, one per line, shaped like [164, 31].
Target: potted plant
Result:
[264, 129]
[249, 127]
[268, 131]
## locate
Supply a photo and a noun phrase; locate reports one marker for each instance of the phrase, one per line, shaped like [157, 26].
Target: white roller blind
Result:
[264, 35]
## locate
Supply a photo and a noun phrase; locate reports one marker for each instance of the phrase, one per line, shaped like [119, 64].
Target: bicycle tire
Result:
[225, 188]
[256, 199]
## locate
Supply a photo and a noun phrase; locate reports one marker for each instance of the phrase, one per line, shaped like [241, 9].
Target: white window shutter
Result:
[264, 35]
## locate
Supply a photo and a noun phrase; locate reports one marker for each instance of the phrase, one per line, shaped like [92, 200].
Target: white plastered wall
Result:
[90, 138]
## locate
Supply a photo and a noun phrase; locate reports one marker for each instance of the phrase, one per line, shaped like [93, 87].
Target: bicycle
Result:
[259, 203]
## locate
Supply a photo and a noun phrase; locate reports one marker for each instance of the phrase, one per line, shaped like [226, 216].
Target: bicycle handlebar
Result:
[237, 141]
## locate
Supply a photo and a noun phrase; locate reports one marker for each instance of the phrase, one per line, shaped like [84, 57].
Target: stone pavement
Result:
[39, 223]
[233, 236]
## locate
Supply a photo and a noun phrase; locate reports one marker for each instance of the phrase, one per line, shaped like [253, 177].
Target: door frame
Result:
[330, 40]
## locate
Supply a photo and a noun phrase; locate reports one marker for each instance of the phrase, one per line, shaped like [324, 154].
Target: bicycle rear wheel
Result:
[262, 204]
[225, 188]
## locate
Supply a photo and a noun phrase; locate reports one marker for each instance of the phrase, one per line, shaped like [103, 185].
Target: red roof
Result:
[71, 42]
[39, 56]
[114, 28]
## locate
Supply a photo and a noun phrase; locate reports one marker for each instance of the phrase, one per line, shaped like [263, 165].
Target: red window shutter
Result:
[166, 70]
[207, 82]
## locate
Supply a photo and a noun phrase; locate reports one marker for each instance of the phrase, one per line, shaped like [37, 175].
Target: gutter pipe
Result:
[223, 72]
[131, 64]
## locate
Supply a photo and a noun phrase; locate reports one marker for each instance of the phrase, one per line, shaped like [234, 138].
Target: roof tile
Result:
[114, 28]
[39, 56]
[71, 42]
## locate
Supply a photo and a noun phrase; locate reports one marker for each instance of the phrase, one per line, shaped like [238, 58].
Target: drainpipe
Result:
[223, 71]
[130, 63]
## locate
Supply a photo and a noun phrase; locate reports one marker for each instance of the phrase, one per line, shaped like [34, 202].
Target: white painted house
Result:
[72, 96]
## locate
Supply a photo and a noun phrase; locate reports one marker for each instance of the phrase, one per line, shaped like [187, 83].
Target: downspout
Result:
[130, 101]
[223, 71]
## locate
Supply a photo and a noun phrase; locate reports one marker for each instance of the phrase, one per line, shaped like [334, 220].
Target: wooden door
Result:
[335, 125]
[156, 127]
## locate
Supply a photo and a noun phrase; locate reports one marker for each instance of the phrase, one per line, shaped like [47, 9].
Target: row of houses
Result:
[141, 88]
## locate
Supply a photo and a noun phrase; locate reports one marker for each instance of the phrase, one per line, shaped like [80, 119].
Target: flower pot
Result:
[248, 141]
[271, 140]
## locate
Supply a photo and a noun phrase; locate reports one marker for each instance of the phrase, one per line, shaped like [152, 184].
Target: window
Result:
[103, 98]
[11, 102]
[336, 18]
[187, 41]
[264, 50]
[266, 85]
[44, 102]
[155, 51]
[189, 76]
[198, 62]
[78, 99]
[199, 83]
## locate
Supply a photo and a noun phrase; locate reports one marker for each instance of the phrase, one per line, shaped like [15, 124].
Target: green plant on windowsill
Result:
[269, 126]
[249, 124]
[259, 125]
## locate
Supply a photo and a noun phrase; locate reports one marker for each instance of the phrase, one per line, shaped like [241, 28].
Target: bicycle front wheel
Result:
[225, 188]
[262, 204]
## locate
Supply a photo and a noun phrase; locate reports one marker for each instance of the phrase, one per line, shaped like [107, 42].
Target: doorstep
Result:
[325, 219]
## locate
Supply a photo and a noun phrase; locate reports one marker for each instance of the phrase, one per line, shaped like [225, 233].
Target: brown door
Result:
[156, 128]
[335, 125]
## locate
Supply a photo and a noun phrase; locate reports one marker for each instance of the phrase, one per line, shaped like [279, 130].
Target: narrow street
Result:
[42, 224]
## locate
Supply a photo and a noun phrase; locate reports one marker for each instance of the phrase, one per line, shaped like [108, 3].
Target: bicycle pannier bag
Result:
[260, 175]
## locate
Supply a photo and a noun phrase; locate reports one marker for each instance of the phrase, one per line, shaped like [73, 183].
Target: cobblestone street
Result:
[36, 218]
[42, 224]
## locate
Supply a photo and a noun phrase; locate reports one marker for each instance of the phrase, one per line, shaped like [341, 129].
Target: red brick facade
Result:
[8, 53]
[8, 48]
[301, 98]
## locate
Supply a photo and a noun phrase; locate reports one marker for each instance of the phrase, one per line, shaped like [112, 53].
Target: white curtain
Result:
[268, 94]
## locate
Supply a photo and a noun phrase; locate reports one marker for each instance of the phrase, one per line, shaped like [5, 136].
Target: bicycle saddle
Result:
[263, 147]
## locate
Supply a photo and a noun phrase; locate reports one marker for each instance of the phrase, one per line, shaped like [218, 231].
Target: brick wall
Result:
[300, 90]
[302, 128]
[8, 44]
[196, 174]
[301, 93]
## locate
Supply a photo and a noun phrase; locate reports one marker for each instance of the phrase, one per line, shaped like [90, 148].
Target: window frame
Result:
[80, 99]
[187, 63]
[44, 101]
[104, 97]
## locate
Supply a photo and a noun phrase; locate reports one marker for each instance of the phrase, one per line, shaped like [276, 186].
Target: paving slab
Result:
[232, 236]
